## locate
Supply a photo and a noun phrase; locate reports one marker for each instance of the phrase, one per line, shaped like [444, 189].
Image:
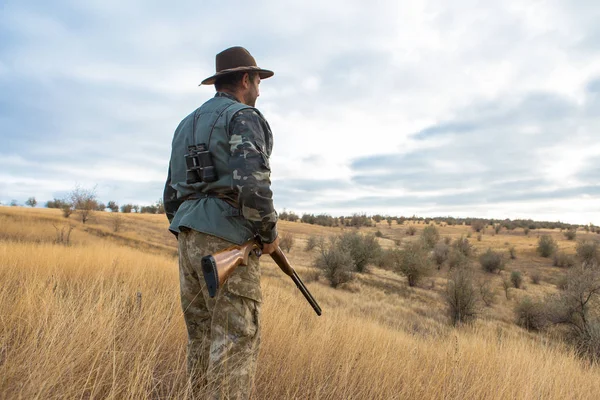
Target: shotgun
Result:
[217, 267]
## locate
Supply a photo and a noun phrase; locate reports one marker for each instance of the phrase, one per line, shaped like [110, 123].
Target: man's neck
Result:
[235, 95]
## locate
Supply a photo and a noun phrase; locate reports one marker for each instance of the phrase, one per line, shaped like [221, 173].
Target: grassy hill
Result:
[100, 318]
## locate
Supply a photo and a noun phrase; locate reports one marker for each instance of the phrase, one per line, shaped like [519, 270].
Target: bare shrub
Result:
[531, 314]
[430, 236]
[492, 261]
[63, 234]
[447, 240]
[526, 231]
[461, 296]
[546, 246]
[516, 279]
[440, 254]
[414, 263]
[378, 234]
[497, 228]
[335, 263]
[563, 260]
[286, 242]
[411, 230]
[588, 254]
[576, 307]
[312, 242]
[487, 294]
[479, 237]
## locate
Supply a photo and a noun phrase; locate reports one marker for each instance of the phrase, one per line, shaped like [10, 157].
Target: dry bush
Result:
[479, 237]
[117, 221]
[461, 297]
[67, 210]
[570, 234]
[536, 277]
[506, 285]
[492, 261]
[363, 249]
[287, 241]
[487, 293]
[335, 262]
[411, 230]
[447, 240]
[512, 252]
[531, 315]
[312, 242]
[588, 253]
[578, 308]
[414, 263]
[457, 259]
[516, 278]
[440, 254]
[430, 236]
[388, 258]
[84, 201]
[563, 260]
[478, 225]
[462, 245]
[63, 234]
[546, 246]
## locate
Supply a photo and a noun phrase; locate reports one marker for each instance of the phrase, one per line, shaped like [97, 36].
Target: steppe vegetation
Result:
[91, 311]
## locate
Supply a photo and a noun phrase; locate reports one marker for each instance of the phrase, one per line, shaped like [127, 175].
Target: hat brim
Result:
[262, 73]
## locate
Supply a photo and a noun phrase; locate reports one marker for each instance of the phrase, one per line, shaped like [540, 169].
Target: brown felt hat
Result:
[236, 59]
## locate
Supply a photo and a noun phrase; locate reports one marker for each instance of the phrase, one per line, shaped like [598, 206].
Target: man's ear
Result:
[246, 80]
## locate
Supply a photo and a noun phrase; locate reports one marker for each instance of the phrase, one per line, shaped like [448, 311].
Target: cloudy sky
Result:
[463, 108]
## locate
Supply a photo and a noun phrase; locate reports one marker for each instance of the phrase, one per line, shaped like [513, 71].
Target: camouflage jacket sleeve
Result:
[251, 143]
[170, 201]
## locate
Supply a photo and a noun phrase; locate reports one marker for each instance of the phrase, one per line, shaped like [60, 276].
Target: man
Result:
[230, 204]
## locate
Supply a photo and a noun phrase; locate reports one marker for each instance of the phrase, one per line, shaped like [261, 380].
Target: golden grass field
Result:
[101, 319]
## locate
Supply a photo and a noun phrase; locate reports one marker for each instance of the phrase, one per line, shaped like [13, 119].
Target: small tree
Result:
[546, 246]
[113, 206]
[31, 202]
[117, 221]
[100, 206]
[84, 201]
[478, 225]
[414, 263]
[430, 236]
[126, 208]
[14, 203]
[461, 296]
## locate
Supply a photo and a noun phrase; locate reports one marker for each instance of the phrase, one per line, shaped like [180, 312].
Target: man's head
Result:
[238, 74]
[243, 85]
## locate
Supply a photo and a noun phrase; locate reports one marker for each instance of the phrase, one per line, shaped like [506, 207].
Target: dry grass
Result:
[101, 319]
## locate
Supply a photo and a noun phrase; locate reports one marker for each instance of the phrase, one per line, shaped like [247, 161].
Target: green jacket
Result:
[239, 205]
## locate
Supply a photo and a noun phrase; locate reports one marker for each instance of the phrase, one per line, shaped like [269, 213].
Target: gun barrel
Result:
[311, 300]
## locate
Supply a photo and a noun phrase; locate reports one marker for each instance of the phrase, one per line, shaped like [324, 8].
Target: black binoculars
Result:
[199, 164]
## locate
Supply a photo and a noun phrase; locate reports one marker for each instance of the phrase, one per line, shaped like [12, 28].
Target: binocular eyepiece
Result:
[199, 164]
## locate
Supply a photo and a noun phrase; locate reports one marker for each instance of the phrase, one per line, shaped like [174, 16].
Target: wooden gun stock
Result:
[217, 267]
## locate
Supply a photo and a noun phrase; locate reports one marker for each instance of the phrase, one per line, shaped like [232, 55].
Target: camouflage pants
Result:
[223, 332]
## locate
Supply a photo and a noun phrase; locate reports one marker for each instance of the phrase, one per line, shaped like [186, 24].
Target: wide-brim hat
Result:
[236, 59]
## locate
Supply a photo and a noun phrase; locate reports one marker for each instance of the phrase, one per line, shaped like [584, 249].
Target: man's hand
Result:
[269, 248]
